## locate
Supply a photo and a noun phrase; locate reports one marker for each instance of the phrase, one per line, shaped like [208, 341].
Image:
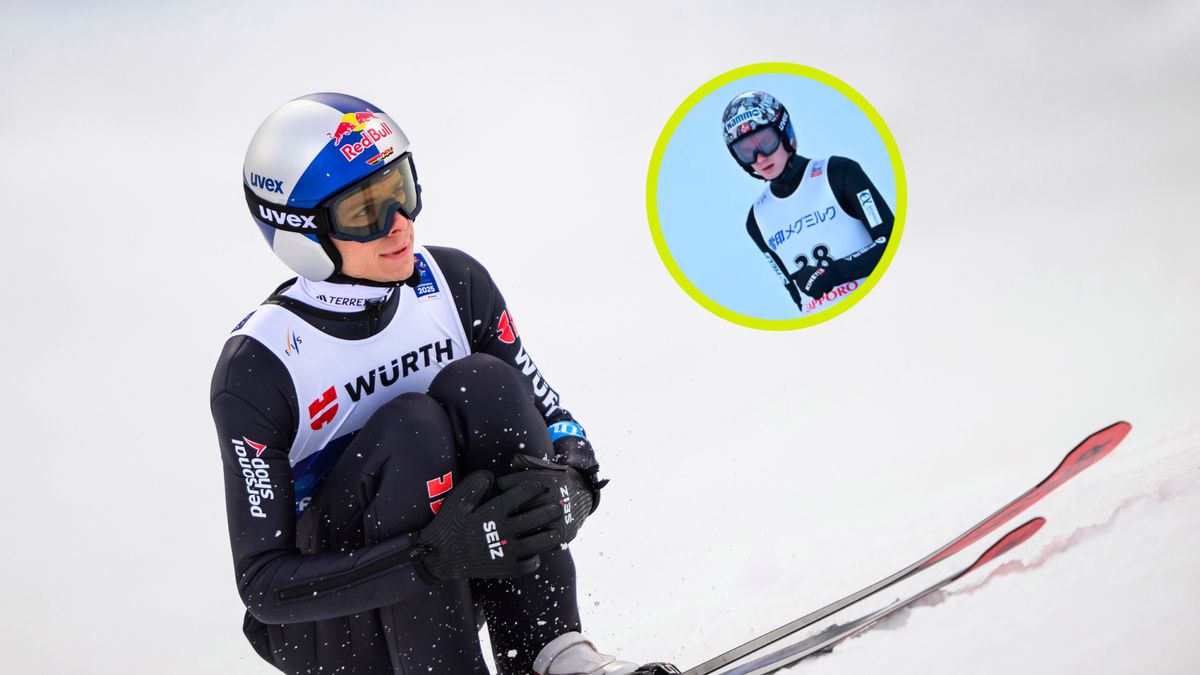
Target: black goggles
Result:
[362, 212]
[763, 141]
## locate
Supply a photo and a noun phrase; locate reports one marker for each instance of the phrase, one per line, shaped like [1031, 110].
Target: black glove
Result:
[815, 281]
[473, 537]
[562, 485]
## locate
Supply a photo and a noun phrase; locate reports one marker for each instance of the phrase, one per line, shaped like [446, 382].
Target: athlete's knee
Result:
[409, 416]
[477, 374]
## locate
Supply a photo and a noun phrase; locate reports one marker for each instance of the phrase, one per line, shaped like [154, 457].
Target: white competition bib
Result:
[809, 226]
[341, 383]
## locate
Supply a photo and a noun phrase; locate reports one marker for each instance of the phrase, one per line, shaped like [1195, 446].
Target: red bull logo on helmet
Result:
[351, 123]
[356, 122]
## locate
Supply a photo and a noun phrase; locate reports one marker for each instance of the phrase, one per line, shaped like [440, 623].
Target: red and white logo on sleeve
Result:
[258, 447]
[506, 331]
[438, 487]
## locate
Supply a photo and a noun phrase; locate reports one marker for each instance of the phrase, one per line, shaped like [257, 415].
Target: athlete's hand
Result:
[815, 281]
[474, 537]
[561, 485]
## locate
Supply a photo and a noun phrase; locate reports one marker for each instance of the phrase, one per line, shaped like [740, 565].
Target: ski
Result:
[1091, 450]
[826, 640]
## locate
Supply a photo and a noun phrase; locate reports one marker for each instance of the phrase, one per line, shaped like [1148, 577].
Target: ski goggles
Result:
[764, 142]
[361, 212]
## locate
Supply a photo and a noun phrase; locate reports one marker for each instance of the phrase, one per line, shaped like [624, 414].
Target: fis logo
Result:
[506, 330]
[494, 542]
[292, 346]
[259, 489]
[291, 220]
[322, 410]
[268, 184]
[438, 487]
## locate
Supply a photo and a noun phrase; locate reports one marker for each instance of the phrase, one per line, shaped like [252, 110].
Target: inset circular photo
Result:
[776, 196]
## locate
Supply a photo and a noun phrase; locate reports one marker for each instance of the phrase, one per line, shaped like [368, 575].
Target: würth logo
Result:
[541, 389]
[389, 374]
[323, 409]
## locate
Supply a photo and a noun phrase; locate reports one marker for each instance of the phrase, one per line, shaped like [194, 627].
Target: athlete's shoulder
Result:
[270, 299]
[244, 352]
[458, 265]
[246, 364]
[842, 166]
[453, 258]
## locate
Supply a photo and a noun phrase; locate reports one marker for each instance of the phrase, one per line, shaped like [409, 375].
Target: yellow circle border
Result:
[660, 148]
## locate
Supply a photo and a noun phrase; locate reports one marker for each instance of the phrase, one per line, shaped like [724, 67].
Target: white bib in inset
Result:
[808, 226]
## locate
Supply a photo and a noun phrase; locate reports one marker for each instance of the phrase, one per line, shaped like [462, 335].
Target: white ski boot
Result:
[573, 654]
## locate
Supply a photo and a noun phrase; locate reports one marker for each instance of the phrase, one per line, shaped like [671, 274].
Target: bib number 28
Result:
[820, 254]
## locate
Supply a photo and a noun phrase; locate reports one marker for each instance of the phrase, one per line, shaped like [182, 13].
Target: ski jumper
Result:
[344, 415]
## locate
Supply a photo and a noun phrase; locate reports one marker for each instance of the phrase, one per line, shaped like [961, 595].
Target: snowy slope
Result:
[1045, 287]
[1100, 591]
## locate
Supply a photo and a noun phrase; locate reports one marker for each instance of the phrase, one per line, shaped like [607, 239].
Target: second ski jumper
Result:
[821, 224]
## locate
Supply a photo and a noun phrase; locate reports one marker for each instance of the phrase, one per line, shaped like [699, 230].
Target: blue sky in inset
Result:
[704, 196]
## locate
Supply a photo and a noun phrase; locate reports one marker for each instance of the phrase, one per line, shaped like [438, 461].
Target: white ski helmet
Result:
[309, 154]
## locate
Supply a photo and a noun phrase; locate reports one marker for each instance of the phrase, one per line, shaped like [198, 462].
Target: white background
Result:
[1045, 286]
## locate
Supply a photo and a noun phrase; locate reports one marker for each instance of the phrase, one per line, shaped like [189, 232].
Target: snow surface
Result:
[1045, 287]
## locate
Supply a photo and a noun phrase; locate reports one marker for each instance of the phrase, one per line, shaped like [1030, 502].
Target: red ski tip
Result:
[1091, 450]
[1009, 541]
